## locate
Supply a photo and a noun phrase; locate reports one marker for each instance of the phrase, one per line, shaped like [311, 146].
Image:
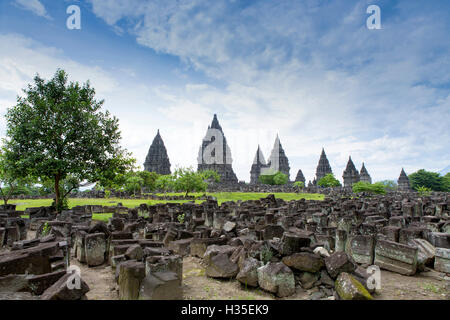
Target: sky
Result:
[310, 71]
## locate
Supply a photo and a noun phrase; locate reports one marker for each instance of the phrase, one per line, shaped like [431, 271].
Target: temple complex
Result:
[323, 168]
[157, 159]
[364, 175]
[215, 154]
[351, 175]
[403, 182]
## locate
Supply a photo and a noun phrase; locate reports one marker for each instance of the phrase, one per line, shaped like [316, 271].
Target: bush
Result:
[277, 178]
[424, 191]
[376, 188]
[329, 181]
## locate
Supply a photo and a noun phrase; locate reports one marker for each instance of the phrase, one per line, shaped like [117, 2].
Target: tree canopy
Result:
[328, 181]
[277, 178]
[58, 129]
[430, 180]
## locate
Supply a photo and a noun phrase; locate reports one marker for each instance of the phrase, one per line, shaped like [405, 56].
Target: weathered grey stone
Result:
[229, 226]
[396, 257]
[339, 262]
[248, 274]
[220, 266]
[161, 286]
[95, 248]
[442, 260]
[361, 248]
[60, 289]
[440, 239]
[425, 254]
[38, 284]
[291, 243]
[277, 278]
[134, 252]
[348, 288]
[304, 261]
[181, 247]
[131, 273]
[307, 279]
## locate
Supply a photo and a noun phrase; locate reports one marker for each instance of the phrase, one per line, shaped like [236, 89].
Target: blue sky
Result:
[310, 71]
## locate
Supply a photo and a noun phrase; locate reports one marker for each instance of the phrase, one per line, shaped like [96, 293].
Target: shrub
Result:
[376, 188]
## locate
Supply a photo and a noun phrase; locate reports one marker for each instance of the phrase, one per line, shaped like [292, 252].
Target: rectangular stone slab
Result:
[396, 257]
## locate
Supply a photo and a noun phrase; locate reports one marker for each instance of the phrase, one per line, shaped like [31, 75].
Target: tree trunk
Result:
[57, 194]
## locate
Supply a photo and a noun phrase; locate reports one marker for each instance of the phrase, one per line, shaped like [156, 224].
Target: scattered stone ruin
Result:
[270, 243]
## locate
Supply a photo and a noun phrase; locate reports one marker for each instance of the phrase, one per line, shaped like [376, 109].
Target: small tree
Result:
[149, 179]
[58, 129]
[187, 180]
[329, 181]
[299, 185]
[273, 178]
[134, 183]
[165, 183]
[424, 191]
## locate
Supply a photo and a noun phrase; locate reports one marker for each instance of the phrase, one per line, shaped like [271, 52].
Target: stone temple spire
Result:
[323, 168]
[364, 175]
[215, 154]
[157, 159]
[278, 160]
[258, 163]
[300, 177]
[403, 181]
[351, 175]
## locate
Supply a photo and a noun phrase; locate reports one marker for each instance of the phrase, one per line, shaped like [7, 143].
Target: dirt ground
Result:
[196, 286]
[429, 285]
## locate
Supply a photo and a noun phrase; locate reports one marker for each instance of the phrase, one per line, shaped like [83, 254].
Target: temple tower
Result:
[258, 163]
[403, 181]
[214, 153]
[300, 177]
[364, 175]
[351, 175]
[157, 159]
[323, 168]
[277, 160]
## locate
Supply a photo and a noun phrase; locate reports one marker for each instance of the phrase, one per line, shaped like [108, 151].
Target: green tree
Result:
[134, 183]
[447, 182]
[10, 183]
[299, 185]
[390, 185]
[273, 178]
[423, 178]
[376, 188]
[58, 129]
[149, 179]
[329, 181]
[187, 180]
[165, 182]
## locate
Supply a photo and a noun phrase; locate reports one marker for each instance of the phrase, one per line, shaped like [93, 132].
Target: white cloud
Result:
[34, 6]
[315, 75]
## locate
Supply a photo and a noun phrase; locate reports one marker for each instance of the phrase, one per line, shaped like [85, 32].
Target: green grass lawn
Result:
[132, 203]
